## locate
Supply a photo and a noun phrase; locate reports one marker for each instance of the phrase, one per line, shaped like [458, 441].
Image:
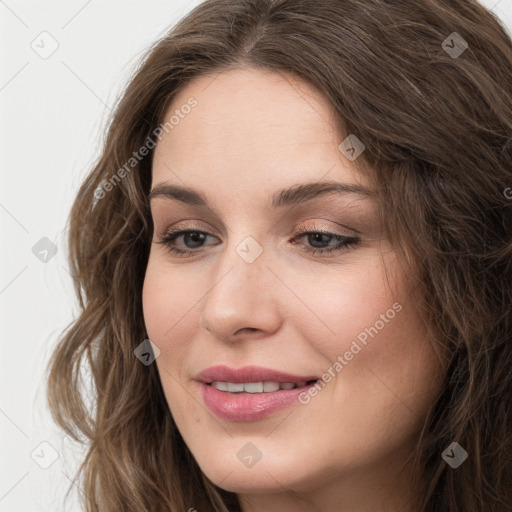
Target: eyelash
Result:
[347, 241]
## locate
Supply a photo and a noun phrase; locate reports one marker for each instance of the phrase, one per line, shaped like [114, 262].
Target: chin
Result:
[263, 477]
[252, 482]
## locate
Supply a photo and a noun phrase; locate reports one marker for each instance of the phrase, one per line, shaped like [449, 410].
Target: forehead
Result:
[250, 129]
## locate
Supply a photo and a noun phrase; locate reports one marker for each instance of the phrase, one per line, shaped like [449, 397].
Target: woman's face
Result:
[250, 291]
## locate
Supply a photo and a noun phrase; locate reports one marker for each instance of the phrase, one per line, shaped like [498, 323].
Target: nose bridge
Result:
[240, 295]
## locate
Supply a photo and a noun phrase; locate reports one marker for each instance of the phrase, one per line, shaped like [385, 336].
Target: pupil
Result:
[316, 237]
[194, 235]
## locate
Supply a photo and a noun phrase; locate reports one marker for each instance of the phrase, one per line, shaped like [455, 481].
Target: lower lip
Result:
[250, 406]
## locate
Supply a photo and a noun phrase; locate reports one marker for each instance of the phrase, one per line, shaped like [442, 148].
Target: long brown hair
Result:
[427, 86]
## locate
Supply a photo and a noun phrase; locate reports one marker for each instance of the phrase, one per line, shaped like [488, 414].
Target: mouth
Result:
[252, 379]
[250, 388]
[250, 393]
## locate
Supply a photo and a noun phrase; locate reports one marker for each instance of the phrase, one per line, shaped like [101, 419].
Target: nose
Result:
[242, 298]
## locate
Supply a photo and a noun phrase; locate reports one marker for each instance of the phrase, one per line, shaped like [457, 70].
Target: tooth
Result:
[222, 386]
[270, 386]
[253, 387]
[235, 387]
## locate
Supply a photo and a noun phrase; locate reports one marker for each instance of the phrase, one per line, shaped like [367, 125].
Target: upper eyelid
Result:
[314, 207]
[193, 224]
[300, 229]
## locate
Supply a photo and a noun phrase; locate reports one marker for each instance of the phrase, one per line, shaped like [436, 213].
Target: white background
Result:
[52, 115]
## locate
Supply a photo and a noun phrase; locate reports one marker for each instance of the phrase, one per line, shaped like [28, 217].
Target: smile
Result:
[256, 387]
[250, 393]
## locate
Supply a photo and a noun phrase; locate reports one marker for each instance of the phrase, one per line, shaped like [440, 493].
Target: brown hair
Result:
[437, 129]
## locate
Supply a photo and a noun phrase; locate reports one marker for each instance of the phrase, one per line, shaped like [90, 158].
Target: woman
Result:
[293, 260]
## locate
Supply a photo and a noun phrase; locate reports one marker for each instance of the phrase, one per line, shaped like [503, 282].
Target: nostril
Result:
[247, 329]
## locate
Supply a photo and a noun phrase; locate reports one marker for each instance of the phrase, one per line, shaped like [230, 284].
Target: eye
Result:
[320, 240]
[192, 238]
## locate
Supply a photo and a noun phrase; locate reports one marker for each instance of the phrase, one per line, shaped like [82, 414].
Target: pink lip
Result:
[248, 374]
[248, 406]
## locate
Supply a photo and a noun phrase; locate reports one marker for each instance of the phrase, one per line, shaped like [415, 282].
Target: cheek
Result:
[343, 302]
[163, 301]
[378, 356]
[167, 302]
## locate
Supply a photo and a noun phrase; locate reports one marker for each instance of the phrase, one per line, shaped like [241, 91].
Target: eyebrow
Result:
[291, 196]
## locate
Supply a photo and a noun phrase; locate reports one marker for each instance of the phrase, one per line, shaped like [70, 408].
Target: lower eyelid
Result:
[298, 235]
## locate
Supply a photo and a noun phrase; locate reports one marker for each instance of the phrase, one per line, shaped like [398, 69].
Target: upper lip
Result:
[249, 374]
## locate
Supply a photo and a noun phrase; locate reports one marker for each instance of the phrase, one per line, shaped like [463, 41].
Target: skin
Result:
[252, 133]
